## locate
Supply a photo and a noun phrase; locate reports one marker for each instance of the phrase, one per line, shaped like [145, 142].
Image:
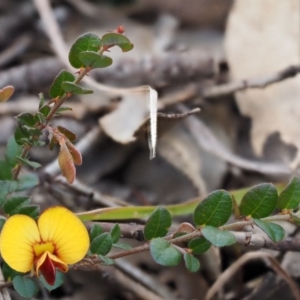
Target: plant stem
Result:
[18, 168]
[61, 101]
[195, 234]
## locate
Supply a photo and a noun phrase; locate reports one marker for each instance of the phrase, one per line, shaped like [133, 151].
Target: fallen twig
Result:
[230, 271]
[252, 83]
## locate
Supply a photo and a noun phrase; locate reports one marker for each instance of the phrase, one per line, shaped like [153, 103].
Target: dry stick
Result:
[244, 238]
[148, 281]
[16, 49]
[230, 271]
[138, 289]
[207, 141]
[259, 82]
[260, 241]
[4, 295]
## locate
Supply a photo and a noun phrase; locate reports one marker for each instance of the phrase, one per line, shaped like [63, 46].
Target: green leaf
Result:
[95, 231]
[101, 244]
[59, 280]
[116, 39]
[21, 136]
[13, 149]
[217, 237]
[94, 60]
[289, 198]
[13, 205]
[27, 119]
[115, 233]
[56, 89]
[69, 134]
[8, 272]
[70, 87]
[45, 110]
[86, 42]
[191, 262]
[158, 223]
[122, 246]
[214, 210]
[25, 286]
[7, 187]
[32, 164]
[164, 253]
[106, 260]
[274, 231]
[260, 201]
[199, 245]
[27, 181]
[5, 170]
[32, 211]
[26, 128]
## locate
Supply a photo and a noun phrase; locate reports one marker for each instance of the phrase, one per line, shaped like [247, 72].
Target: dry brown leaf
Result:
[122, 123]
[262, 37]
[180, 150]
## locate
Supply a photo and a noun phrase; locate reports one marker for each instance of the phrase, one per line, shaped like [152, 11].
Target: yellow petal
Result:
[17, 238]
[67, 233]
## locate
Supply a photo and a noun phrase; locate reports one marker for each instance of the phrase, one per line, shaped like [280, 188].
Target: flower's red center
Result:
[48, 270]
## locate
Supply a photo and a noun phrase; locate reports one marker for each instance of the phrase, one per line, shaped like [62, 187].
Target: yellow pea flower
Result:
[57, 240]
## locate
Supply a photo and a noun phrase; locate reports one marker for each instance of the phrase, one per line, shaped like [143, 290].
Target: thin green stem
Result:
[61, 101]
[18, 168]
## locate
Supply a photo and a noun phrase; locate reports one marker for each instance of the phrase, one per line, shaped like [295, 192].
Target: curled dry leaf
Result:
[66, 163]
[6, 93]
[77, 158]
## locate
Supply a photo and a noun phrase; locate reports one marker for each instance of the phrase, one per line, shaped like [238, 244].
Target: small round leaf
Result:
[94, 60]
[217, 237]
[115, 233]
[158, 223]
[164, 253]
[199, 245]
[116, 39]
[86, 42]
[260, 201]
[191, 262]
[274, 231]
[70, 87]
[13, 205]
[32, 211]
[101, 244]
[25, 286]
[289, 198]
[214, 210]
[56, 89]
[95, 231]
